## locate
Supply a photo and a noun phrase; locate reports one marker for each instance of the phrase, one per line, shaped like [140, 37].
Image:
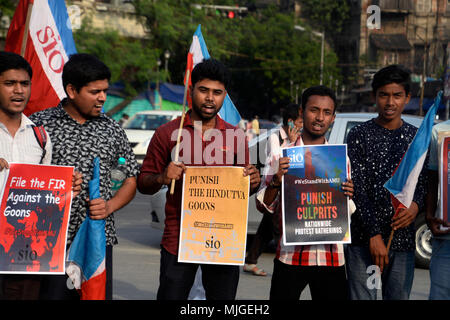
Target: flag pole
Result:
[390, 240]
[177, 149]
[25, 30]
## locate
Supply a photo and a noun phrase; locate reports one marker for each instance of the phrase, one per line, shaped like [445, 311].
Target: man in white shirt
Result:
[17, 140]
[18, 143]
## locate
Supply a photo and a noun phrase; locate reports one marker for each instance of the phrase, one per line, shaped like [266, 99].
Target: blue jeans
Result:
[364, 281]
[440, 270]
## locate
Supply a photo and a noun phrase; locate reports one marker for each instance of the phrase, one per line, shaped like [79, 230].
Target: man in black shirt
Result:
[80, 132]
[375, 148]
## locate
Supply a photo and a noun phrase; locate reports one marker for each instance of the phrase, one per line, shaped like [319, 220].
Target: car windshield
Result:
[147, 121]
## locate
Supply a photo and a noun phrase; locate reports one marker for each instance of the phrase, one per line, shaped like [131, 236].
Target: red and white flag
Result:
[41, 32]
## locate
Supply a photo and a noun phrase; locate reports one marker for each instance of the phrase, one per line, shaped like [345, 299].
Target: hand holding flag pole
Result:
[86, 257]
[177, 148]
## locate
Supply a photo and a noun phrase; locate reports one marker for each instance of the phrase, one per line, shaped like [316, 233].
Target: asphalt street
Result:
[136, 261]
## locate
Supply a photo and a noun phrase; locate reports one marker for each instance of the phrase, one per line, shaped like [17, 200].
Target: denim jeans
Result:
[363, 279]
[440, 270]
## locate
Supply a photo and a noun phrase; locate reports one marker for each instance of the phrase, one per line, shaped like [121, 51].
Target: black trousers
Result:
[176, 279]
[325, 283]
[267, 230]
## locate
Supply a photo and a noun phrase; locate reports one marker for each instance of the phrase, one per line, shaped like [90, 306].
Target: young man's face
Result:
[318, 115]
[15, 91]
[90, 99]
[207, 98]
[391, 100]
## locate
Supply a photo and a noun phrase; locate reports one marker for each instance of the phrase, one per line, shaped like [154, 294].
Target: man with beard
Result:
[320, 266]
[81, 132]
[208, 91]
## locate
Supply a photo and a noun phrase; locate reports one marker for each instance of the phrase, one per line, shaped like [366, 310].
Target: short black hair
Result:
[292, 111]
[392, 74]
[210, 69]
[10, 60]
[83, 68]
[323, 91]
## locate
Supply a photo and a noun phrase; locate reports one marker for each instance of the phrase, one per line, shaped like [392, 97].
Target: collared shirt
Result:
[375, 153]
[331, 255]
[439, 131]
[225, 145]
[77, 145]
[23, 147]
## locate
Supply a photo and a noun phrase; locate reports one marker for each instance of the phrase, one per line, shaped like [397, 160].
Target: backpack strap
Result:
[41, 137]
[280, 138]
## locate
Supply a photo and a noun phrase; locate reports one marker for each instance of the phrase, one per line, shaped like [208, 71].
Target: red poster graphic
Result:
[34, 215]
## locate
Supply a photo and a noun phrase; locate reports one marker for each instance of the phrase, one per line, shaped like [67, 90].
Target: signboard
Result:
[214, 215]
[314, 208]
[34, 215]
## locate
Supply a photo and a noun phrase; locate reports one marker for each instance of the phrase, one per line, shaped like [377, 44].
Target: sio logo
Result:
[297, 158]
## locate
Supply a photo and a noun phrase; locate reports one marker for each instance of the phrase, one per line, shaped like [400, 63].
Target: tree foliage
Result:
[7, 7]
[268, 58]
[131, 61]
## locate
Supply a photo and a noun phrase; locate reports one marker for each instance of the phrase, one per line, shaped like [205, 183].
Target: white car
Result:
[337, 134]
[141, 127]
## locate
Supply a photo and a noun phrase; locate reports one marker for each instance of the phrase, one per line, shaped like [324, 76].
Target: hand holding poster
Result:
[314, 208]
[214, 215]
[34, 214]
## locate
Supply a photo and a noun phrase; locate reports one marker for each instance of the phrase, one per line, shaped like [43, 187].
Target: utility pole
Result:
[422, 80]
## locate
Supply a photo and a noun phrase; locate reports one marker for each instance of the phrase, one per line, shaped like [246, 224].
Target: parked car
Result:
[141, 127]
[337, 134]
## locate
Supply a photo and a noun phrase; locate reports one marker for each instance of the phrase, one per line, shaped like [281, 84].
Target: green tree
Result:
[263, 50]
[326, 15]
[7, 7]
[131, 61]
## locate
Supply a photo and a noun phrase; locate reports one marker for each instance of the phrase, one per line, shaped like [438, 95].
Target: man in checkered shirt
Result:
[319, 266]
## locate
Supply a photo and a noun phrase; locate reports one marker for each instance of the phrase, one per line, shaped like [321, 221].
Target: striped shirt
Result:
[299, 255]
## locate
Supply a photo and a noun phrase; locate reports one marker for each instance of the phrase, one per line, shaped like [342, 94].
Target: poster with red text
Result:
[34, 215]
[314, 208]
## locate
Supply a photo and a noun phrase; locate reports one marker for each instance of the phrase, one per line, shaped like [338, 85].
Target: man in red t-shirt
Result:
[201, 123]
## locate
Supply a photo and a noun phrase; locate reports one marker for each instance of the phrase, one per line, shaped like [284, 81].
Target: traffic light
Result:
[229, 12]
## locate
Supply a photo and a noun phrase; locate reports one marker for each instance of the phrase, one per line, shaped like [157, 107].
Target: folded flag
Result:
[197, 53]
[404, 180]
[41, 32]
[86, 257]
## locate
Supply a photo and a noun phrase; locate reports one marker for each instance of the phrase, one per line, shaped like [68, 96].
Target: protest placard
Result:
[214, 215]
[445, 179]
[34, 214]
[314, 208]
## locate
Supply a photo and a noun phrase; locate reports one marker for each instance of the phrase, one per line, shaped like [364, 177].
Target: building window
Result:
[423, 6]
[391, 58]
